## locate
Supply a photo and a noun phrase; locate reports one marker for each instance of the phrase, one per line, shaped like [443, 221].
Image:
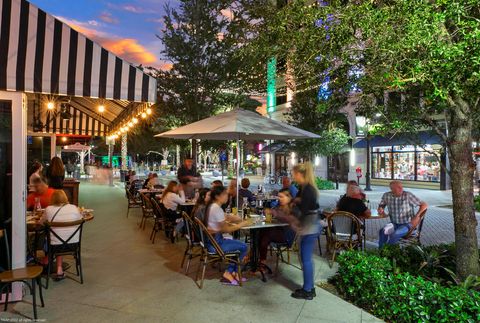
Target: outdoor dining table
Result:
[150, 190]
[37, 228]
[187, 206]
[254, 229]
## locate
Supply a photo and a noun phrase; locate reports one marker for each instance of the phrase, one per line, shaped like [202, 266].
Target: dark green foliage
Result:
[371, 282]
[323, 184]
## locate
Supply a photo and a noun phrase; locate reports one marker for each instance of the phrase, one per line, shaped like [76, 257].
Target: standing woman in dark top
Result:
[308, 226]
[56, 173]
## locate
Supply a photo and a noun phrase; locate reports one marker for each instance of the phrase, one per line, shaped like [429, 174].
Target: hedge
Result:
[369, 281]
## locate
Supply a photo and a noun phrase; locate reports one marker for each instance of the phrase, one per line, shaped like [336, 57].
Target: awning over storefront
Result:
[420, 138]
[41, 55]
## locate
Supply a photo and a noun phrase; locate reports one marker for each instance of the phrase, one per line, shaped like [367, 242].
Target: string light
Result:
[144, 115]
[130, 124]
[149, 111]
[50, 105]
[64, 139]
[135, 120]
[101, 108]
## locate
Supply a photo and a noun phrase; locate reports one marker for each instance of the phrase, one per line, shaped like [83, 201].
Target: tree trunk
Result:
[335, 164]
[461, 173]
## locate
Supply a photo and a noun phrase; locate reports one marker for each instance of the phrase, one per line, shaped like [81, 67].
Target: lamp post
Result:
[363, 130]
[367, 173]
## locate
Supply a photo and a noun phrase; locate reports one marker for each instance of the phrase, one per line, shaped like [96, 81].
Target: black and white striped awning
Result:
[41, 54]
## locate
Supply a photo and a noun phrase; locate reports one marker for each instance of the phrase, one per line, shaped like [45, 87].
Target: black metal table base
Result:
[254, 264]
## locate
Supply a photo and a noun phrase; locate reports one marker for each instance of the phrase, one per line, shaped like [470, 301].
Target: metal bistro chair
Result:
[65, 247]
[343, 232]
[194, 248]
[158, 218]
[147, 210]
[133, 202]
[218, 256]
[25, 274]
[280, 248]
[413, 235]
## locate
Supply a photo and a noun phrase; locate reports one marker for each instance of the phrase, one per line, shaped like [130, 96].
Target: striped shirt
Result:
[401, 209]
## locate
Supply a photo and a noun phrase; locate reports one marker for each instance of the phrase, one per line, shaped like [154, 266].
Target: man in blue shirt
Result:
[286, 183]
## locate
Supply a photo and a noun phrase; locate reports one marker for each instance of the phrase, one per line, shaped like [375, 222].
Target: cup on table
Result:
[268, 217]
[234, 211]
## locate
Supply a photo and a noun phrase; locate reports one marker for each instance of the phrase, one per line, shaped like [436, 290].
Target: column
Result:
[124, 152]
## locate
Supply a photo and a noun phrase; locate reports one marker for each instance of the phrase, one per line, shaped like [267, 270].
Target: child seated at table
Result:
[282, 213]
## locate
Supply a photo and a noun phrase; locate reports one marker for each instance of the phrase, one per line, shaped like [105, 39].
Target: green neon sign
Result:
[271, 85]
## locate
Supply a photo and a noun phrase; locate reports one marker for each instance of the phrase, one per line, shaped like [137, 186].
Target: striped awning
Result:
[41, 54]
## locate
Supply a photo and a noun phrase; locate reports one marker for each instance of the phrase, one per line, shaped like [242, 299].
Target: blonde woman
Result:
[61, 211]
[308, 228]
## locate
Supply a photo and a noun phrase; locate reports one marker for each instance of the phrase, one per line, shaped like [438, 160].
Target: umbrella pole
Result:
[238, 169]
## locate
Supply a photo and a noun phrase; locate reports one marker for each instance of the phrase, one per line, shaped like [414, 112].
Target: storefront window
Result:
[407, 162]
[428, 166]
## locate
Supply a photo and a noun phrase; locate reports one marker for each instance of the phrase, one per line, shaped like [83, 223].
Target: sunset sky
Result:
[127, 28]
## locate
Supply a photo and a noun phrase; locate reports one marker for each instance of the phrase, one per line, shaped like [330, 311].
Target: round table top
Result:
[33, 221]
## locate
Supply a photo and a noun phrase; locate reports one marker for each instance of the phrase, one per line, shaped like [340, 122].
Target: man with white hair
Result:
[401, 210]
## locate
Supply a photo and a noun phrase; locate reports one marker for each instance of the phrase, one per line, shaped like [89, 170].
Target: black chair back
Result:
[6, 248]
[65, 246]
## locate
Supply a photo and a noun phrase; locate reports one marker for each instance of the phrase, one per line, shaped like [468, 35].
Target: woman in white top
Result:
[217, 223]
[60, 211]
[173, 196]
[35, 172]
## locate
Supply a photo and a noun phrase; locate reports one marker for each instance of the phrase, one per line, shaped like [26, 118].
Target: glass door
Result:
[5, 176]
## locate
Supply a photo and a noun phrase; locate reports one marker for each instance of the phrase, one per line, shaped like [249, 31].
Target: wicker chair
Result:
[194, 248]
[413, 235]
[218, 256]
[133, 202]
[147, 210]
[343, 232]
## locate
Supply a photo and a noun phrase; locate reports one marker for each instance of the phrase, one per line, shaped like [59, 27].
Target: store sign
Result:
[271, 85]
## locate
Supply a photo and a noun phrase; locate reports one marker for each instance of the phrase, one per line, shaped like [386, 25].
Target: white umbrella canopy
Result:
[238, 124]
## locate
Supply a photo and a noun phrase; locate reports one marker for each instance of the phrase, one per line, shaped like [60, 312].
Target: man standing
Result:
[187, 175]
[401, 208]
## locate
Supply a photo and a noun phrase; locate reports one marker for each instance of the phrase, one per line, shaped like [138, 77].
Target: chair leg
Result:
[79, 259]
[288, 256]
[49, 267]
[39, 282]
[319, 245]
[239, 271]
[5, 307]
[333, 257]
[151, 234]
[188, 264]
[34, 298]
[203, 273]
[184, 257]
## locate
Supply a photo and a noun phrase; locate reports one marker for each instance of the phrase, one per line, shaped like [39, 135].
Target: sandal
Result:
[225, 281]
[59, 277]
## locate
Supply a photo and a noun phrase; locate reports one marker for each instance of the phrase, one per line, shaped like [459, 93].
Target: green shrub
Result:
[323, 184]
[476, 200]
[371, 282]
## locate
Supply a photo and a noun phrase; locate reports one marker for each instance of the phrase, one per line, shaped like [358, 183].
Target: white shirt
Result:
[172, 200]
[215, 217]
[68, 213]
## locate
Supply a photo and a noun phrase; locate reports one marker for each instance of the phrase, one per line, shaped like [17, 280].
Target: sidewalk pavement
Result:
[129, 279]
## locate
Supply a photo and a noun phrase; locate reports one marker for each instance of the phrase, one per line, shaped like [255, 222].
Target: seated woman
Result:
[232, 194]
[173, 196]
[202, 201]
[217, 223]
[352, 202]
[282, 213]
[61, 211]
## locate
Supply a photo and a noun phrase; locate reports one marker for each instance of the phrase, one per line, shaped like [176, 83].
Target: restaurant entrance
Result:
[5, 174]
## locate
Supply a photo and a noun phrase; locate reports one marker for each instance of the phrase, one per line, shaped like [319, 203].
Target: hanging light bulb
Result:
[149, 111]
[135, 120]
[50, 105]
[101, 108]
[144, 115]
[130, 124]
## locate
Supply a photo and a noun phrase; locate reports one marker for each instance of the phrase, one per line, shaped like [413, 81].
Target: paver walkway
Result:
[129, 279]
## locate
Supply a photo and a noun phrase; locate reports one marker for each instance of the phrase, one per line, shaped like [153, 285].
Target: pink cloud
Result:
[108, 18]
[127, 48]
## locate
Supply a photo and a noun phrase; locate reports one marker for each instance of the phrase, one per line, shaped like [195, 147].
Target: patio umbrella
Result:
[238, 125]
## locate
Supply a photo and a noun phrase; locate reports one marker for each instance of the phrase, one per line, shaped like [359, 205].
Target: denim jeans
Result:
[229, 245]
[401, 230]
[307, 243]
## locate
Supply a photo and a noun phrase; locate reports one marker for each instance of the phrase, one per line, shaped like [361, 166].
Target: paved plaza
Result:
[129, 279]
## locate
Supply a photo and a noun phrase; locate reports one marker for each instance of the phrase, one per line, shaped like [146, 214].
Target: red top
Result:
[44, 198]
